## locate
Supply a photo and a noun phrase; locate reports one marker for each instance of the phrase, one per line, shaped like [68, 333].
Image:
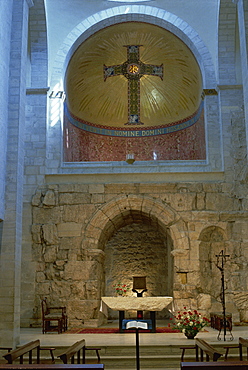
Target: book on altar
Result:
[136, 325]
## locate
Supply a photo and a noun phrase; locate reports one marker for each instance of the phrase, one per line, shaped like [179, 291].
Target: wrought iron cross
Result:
[133, 69]
[220, 263]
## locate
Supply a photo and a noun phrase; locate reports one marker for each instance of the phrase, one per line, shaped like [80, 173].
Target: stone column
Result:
[11, 242]
[5, 30]
[243, 35]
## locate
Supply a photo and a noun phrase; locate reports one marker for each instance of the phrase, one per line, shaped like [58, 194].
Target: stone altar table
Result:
[122, 304]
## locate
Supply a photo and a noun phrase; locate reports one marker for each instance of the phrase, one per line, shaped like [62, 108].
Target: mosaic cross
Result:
[133, 69]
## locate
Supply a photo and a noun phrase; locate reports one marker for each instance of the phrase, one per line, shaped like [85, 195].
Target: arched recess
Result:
[212, 242]
[139, 215]
[151, 15]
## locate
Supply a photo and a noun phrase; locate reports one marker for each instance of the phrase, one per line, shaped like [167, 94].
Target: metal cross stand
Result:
[221, 259]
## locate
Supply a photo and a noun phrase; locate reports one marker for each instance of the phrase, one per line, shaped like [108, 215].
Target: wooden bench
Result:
[28, 348]
[242, 343]
[205, 348]
[51, 366]
[238, 365]
[75, 350]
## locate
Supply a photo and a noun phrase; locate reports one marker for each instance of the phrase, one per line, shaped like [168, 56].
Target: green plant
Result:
[189, 322]
[121, 289]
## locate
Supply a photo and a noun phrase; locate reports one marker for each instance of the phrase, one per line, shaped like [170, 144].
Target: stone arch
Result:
[115, 213]
[128, 209]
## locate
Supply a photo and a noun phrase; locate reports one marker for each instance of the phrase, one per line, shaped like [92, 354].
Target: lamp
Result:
[130, 158]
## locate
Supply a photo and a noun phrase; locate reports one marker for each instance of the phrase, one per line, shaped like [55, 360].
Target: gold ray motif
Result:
[100, 102]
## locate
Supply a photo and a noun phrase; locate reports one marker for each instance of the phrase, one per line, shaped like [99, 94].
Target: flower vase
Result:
[190, 335]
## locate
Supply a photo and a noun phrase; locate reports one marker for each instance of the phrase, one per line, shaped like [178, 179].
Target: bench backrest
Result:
[52, 366]
[211, 353]
[21, 351]
[70, 353]
[243, 343]
[221, 365]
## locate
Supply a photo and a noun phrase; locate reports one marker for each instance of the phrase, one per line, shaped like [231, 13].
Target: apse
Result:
[133, 90]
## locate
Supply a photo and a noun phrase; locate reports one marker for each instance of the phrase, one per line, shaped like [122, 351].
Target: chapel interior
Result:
[123, 146]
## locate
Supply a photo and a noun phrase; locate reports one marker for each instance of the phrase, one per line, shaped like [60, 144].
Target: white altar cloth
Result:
[135, 303]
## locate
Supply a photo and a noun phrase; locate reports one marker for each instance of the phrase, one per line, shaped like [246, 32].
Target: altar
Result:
[122, 304]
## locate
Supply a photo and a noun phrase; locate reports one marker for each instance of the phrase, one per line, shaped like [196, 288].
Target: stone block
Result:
[218, 202]
[204, 302]
[157, 188]
[36, 234]
[49, 234]
[42, 289]
[200, 201]
[60, 291]
[50, 254]
[92, 290]
[40, 276]
[96, 188]
[81, 188]
[46, 215]
[66, 188]
[69, 229]
[74, 198]
[49, 199]
[36, 199]
[81, 270]
[97, 198]
[82, 309]
[72, 244]
[77, 213]
[121, 188]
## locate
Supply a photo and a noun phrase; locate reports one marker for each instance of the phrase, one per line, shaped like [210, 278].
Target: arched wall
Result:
[163, 19]
[127, 208]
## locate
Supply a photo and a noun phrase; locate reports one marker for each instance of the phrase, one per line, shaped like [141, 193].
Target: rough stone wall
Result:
[138, 249]
[76, 226]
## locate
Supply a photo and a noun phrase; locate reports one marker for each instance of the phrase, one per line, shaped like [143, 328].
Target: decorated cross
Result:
[133, 69]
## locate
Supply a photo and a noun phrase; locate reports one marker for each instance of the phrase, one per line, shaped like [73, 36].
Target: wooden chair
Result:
[52, 315]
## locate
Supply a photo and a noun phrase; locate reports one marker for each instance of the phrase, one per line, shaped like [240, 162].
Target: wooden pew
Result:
[210, 352]
[74, 350]
[51, 366]
[221, 365]
[28, 348]
[207, 349]
[242, 343]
